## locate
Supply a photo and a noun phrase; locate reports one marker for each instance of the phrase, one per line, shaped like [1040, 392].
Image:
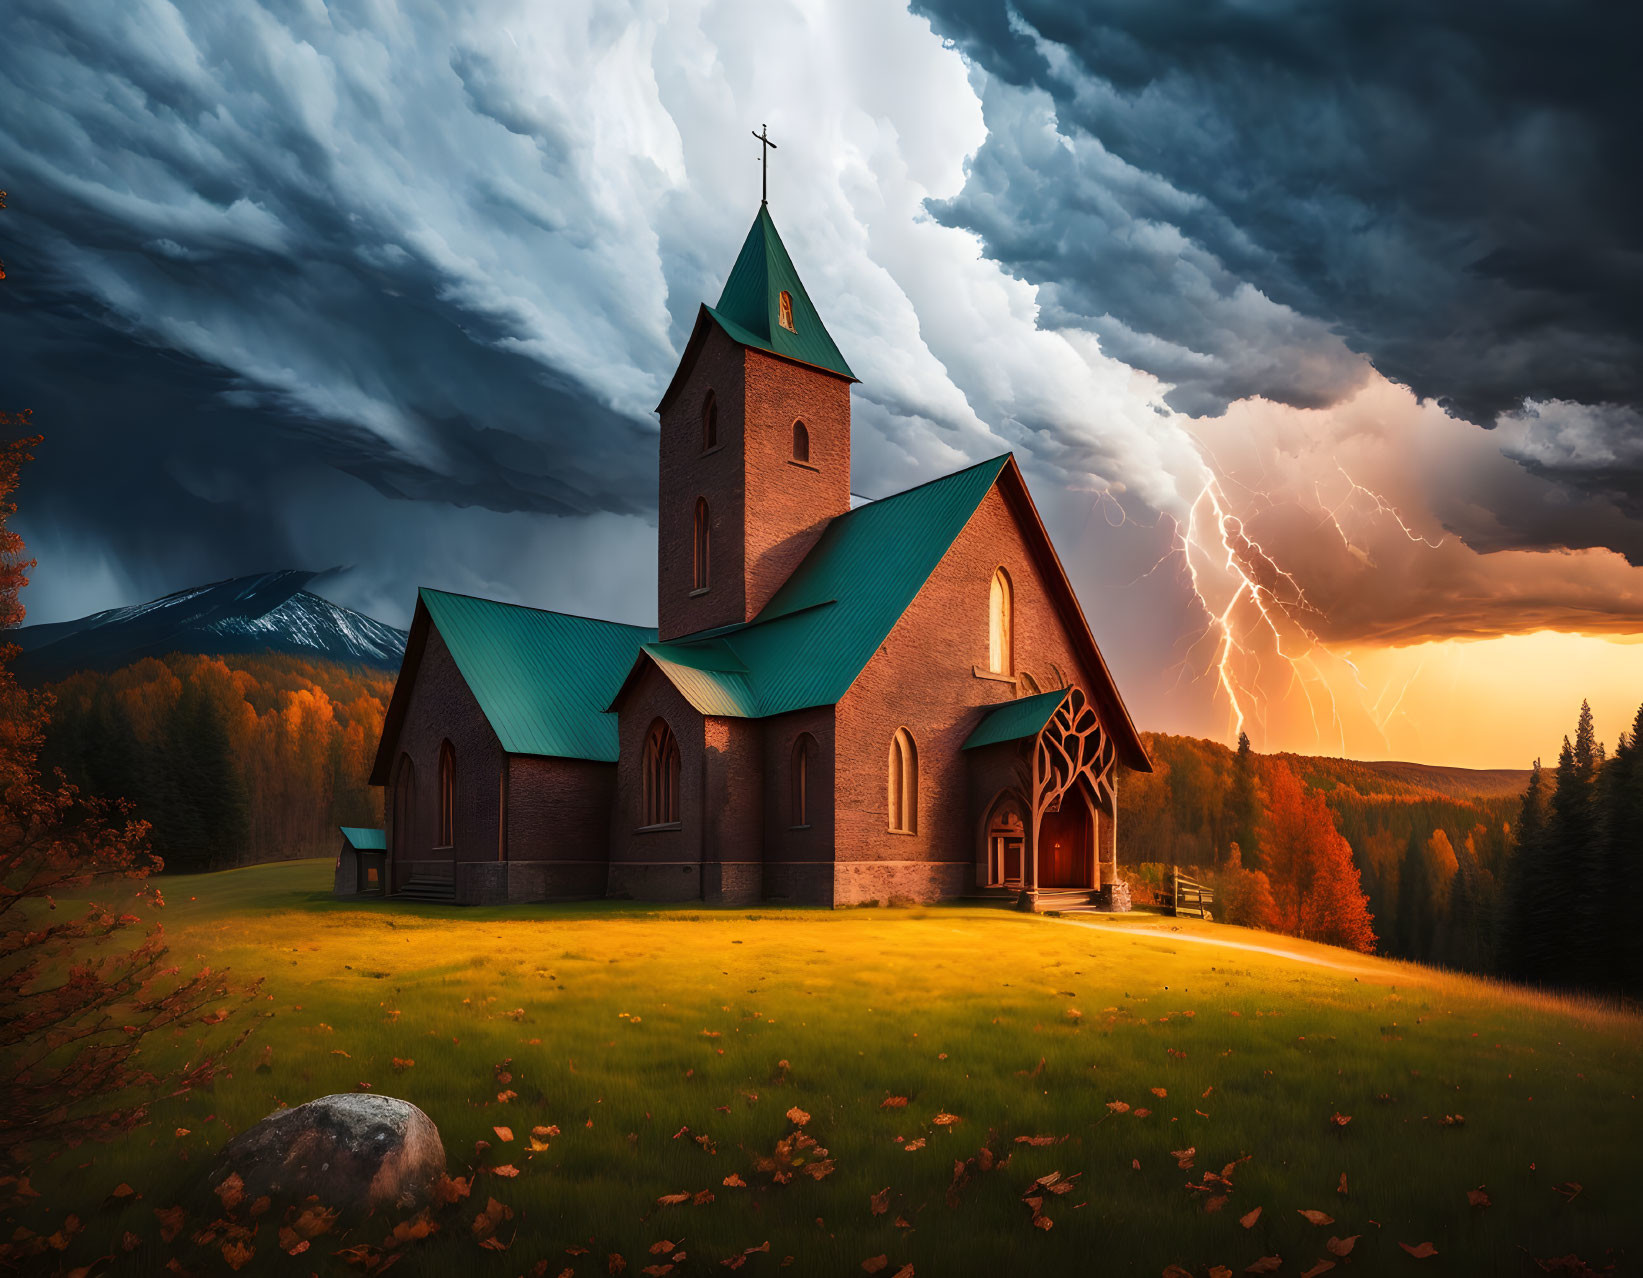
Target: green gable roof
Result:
[363, 840]
[543, 679]
[749, 309]
[1016, 719]
[822, 627]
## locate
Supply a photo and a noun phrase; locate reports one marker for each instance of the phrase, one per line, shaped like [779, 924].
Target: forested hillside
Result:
[1526, 874]
[234, 759]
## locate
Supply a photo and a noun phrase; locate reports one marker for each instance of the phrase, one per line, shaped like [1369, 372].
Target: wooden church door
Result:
[1066, 844]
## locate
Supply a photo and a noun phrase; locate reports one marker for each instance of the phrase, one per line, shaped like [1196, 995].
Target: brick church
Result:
[837, 706]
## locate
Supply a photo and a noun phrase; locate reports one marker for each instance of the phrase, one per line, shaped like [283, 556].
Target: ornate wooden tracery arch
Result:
[1071, 745]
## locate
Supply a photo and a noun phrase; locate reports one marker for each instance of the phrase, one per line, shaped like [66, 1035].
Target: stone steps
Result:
[424, 889]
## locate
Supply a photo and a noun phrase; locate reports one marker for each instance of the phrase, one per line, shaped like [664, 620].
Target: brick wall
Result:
[558, 827]
[442, 708]
[922, 679]
[685, 474]
[788, 503]
[767, 510]
[733, 788]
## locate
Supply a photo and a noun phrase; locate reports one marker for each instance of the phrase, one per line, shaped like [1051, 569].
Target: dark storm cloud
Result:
[1452, 189]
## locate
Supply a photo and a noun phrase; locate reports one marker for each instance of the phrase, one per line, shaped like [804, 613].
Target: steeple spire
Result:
[764, 304]
[766, 146]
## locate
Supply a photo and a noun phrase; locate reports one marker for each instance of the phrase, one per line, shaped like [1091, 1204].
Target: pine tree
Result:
[1243, 807]
[1524, 943]
[1572, 838]
[1620, 802]
[203, 805]
[1416, 920]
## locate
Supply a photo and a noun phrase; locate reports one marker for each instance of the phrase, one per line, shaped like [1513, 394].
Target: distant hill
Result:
[1410, 780]
[268, 612]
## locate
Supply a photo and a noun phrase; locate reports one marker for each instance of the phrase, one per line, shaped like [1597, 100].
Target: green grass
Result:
[624, 1024]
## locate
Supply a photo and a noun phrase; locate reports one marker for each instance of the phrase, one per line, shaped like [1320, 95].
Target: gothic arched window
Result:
[710, 422]
[804, 749]
[404, 809]
[661, 776]
[447, 795]
[784, 311]
[701, 541]
[801, 442]
[903, 783]
[1000, 625]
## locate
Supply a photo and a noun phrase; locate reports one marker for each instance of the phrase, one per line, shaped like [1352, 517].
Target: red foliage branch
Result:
[75, 1002]
[1316, 891]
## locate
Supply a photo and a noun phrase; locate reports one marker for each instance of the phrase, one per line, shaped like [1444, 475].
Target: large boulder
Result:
[357, 1152]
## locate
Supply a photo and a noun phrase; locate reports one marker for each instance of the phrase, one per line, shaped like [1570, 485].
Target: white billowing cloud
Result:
[560, 183]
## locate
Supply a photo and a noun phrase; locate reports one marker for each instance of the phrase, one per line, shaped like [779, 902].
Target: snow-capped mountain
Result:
[269, 612]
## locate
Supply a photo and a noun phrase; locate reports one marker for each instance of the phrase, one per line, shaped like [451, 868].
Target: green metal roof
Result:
[364, 840]
[749, 309]
[822, 627]
[543, 679]
[1016, 719]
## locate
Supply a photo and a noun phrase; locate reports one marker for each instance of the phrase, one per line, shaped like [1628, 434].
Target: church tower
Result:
[755, 448]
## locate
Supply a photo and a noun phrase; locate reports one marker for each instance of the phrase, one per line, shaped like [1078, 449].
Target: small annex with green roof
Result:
[900, 699]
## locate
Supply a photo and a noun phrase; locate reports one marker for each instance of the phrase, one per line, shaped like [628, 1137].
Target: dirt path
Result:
[1155, 934]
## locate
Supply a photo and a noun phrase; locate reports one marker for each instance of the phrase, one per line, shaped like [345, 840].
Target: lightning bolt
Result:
[1255, 609]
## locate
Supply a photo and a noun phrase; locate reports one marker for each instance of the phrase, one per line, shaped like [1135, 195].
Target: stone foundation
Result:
[894, 882]
[1113, 898]
[639, 881]
[522, 882]
[732, 883]
[799, 882]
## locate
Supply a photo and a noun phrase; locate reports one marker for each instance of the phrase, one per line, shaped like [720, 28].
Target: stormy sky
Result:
[393, 289]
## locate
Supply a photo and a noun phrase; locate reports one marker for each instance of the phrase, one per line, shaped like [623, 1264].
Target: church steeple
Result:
[755, 450]
[751, 310]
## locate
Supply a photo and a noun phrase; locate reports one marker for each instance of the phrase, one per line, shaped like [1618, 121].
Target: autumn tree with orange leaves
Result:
[1316, 891]
[81, 986]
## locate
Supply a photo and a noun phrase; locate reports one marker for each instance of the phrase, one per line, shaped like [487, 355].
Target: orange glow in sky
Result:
[1486, 703]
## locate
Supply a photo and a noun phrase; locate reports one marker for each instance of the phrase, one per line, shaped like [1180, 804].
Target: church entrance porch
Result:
[1072, 783]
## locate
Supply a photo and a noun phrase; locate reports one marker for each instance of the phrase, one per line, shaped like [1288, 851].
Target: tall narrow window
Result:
[447, 795]
[661, 776]
[803, 749]
[784, 311]
[903, 783]
[710, 422]
[405, 809]
[801, 442]
[703, 538]
[1000, 625]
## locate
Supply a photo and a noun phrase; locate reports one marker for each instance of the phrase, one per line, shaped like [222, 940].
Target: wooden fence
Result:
[1188, 897]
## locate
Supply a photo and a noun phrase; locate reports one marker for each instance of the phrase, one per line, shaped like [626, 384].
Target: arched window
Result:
[903, 783]
[405, 808]
[447, 795]
[784, 311]
[1000, 625]
[1026, 685]
[804, 749]
[661, 776]
[703, 536]
[801, 442]
[710, 422]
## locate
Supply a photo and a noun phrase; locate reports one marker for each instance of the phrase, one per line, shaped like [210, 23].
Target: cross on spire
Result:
[766, 146]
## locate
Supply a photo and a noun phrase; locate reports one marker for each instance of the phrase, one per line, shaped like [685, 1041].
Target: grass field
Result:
[669, 1045]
